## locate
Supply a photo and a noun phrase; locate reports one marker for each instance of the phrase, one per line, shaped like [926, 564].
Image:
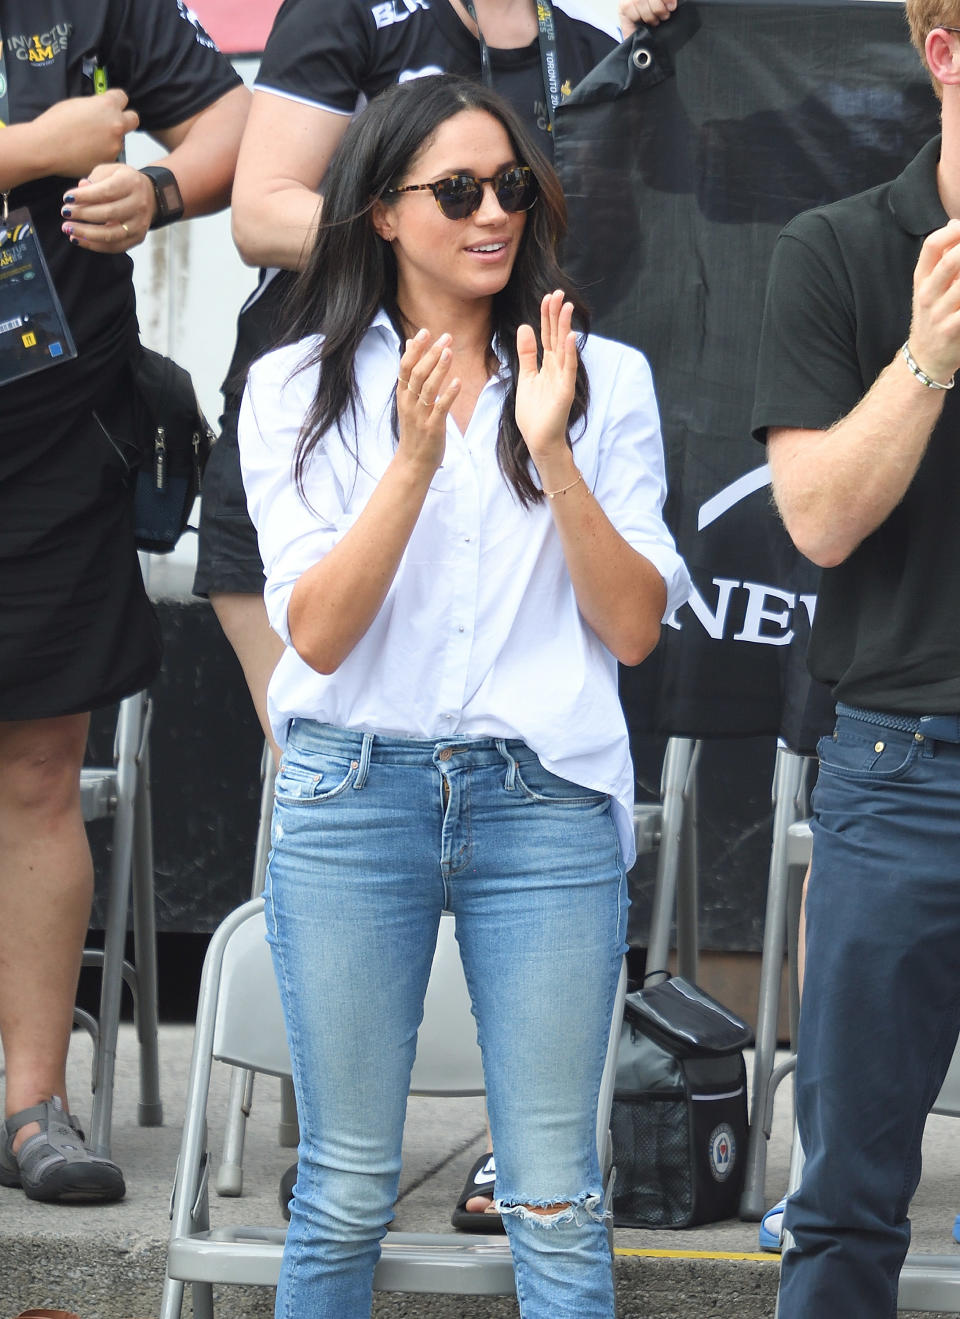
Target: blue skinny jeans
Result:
[372, 837]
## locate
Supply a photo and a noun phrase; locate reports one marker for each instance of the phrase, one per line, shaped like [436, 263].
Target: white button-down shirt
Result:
[480, 633]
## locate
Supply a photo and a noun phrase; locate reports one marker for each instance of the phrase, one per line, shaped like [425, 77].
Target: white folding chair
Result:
[121, 792]
[239, 1021]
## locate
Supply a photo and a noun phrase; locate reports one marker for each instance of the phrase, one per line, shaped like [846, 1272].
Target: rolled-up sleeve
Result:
[293, 534]
[631, 483]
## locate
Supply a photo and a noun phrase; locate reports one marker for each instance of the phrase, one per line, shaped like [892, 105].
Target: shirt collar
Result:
[914, 199]
[384, 325]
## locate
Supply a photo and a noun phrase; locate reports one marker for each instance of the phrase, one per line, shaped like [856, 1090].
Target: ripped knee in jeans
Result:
[547, 1213]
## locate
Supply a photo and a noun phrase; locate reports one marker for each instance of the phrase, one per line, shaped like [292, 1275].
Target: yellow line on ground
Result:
[759, 1257]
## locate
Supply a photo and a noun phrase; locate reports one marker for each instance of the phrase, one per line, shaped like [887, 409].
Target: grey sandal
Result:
[55, 1165]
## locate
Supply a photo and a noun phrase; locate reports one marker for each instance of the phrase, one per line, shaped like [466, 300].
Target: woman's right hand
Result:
[425, 395]
[85, 131]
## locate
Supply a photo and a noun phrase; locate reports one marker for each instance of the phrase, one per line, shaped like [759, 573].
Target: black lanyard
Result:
[548, 54]
[4, 95]
[4, 117]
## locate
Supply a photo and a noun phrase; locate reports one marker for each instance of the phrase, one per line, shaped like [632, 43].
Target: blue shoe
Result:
[956, 1229]
[771, 1227]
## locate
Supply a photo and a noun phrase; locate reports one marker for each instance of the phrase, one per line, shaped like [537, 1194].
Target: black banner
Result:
[682, 156]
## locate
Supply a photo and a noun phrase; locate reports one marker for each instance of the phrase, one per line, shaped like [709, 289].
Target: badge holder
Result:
[34, 333]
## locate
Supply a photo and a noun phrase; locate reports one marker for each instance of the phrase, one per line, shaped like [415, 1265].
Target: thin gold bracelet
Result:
[552, 494]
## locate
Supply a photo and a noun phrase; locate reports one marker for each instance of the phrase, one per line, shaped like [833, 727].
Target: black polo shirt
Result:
[156, 51]
[887, 628]
[334, 54]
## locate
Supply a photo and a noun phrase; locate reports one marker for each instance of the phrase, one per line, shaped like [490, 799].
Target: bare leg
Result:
[46, 887]
[255, 644]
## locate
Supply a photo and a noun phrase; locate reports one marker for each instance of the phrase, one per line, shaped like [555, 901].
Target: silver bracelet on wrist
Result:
[920, 373]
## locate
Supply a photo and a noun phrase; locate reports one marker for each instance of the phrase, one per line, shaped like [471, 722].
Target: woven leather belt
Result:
[940, 727]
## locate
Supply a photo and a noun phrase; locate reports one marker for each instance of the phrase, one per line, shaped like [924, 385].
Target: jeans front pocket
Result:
[307, 778]
[539, 784]
[867, 753]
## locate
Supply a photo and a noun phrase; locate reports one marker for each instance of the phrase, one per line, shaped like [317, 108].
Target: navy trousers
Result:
[881, 1006]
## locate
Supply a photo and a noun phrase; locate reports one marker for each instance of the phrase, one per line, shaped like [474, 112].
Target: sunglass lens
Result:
[459, 196]
[517, 189]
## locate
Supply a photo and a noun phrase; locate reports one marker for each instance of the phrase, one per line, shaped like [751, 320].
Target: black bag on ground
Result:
[679, 1120]
[176, 440]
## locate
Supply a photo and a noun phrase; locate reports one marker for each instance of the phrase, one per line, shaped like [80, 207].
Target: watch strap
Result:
[167, 193]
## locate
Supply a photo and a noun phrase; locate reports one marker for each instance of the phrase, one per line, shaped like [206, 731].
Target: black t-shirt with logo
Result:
[156, 51]
[338, 54]
[886, 634]
[335, 53]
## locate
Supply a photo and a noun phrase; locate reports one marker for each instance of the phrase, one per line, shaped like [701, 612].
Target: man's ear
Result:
[942, 50]
[382, 218]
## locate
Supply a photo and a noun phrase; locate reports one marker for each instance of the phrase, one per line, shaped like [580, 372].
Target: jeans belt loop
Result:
[366, 750]
[510, 782]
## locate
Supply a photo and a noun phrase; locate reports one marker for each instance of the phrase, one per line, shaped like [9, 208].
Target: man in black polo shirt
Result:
[860, 344]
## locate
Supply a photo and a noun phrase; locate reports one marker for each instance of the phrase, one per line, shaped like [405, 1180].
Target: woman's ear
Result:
[382, 218]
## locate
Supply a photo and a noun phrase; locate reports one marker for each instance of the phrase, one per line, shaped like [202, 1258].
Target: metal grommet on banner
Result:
[642, 58]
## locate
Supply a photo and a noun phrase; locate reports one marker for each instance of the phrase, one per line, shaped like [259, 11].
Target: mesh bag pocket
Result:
[651, 1142]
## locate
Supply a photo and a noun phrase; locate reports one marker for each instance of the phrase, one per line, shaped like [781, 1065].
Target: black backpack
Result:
[679, 1120]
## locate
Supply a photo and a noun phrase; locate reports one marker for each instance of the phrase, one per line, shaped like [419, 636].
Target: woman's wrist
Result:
[556, 470]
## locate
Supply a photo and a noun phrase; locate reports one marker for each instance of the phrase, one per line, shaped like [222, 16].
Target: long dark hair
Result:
[352, 271]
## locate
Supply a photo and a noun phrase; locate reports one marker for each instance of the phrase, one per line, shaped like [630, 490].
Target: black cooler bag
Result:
[679, 1119]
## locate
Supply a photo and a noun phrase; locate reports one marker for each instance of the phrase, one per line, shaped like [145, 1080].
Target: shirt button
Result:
[460, 628]
[466, 540]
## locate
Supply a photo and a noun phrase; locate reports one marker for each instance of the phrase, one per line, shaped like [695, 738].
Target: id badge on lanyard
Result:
[33, 329]
[548, 55]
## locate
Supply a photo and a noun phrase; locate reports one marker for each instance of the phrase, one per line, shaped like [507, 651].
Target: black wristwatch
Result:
[167, 192]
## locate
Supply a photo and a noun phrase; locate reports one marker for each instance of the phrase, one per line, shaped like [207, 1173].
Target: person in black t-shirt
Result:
[78, 630]
[860, 346]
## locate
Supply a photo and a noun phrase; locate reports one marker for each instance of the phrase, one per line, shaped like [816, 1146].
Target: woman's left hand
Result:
[110, 210]
[545, 394]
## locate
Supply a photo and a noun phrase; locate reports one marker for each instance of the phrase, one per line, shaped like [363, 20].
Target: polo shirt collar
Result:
[914, 199]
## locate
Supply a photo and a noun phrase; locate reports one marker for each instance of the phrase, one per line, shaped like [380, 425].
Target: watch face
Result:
[171, 197]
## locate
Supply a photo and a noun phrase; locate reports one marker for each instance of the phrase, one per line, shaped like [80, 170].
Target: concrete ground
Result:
[107, 1262]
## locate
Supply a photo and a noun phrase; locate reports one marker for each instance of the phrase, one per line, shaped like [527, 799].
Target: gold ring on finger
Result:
[403, 380]
[124, 228]
[427, 403]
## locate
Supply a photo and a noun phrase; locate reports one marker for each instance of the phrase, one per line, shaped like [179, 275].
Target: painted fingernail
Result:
[66, 212]
[422, 334]
[69, 197]
[75, 240]
[67, 229]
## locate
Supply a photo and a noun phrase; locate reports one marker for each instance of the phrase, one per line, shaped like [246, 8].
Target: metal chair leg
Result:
[150, 1107]
[676, 854]
[229, 1179]
[129, 722]
[788, 780]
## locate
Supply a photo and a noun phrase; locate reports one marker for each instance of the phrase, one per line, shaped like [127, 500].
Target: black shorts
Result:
[78, 629]
[228, 558]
